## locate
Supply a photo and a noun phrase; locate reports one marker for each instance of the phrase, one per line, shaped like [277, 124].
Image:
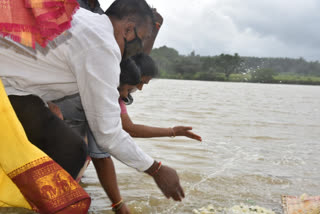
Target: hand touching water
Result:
[167, 180]
[123, 210]
[185, 131]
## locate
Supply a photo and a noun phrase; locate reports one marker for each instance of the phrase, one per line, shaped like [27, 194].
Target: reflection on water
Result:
[260, 141]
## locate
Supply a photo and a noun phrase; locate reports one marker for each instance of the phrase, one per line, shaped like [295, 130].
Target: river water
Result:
[260, 141]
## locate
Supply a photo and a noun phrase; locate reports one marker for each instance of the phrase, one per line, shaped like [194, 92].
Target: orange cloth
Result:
[303, 204]
[30, 21]
[28, 177]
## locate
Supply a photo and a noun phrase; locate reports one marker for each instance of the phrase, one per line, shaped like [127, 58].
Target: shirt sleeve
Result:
[97, 72]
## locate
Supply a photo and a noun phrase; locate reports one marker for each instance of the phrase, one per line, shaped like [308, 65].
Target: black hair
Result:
[130, 72]
[146, 64]
[138, 9]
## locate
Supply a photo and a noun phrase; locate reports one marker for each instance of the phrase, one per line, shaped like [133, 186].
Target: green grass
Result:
[239, 78]
[281, 78]
[296, 79]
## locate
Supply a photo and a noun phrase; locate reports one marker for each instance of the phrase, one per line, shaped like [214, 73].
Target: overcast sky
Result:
[262, 28]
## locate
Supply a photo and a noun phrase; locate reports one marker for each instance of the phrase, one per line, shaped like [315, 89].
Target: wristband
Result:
[118, 207]
[173, 133]
[157, 170]
[116, 204]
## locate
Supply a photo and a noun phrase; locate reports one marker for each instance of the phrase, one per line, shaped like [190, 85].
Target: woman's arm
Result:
[137, 130]
[108, 179]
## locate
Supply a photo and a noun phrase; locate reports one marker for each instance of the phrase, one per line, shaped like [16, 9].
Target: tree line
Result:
[226, 67]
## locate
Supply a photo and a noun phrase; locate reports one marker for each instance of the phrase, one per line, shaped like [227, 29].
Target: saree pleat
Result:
[10, 195]
[28, 177]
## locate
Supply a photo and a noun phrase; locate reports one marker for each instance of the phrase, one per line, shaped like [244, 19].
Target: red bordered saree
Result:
[28, 177]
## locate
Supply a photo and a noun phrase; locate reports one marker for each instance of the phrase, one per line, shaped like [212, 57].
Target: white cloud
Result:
[273, 28]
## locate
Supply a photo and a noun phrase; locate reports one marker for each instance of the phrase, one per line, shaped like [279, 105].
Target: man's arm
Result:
[97, 72]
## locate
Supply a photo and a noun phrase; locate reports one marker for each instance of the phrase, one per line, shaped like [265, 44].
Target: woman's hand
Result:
[185, 131]
[123, 210]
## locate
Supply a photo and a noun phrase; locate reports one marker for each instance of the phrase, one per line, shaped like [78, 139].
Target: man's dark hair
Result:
[130, 72]
[146, 64]
[139, 10]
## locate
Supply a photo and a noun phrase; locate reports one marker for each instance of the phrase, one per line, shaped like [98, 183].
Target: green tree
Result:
[229, 64]
[219, 68]
[263, 75]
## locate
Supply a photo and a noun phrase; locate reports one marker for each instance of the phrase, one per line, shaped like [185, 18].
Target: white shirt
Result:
[85, 59]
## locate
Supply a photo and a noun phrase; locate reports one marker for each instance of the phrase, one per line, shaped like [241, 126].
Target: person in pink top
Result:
[148, 71]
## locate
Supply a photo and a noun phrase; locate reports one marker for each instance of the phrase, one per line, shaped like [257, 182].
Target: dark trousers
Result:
[49, 133]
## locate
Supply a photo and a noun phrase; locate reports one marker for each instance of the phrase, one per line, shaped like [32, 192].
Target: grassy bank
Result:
[282, 78]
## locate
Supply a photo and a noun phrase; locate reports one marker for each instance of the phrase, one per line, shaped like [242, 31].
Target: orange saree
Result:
[28, 177]
[31, 21]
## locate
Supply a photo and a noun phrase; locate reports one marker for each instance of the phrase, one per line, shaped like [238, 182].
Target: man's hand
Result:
[185, 131]
[167, 180]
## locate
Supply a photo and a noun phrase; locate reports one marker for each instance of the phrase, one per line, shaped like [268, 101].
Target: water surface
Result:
[260, 141]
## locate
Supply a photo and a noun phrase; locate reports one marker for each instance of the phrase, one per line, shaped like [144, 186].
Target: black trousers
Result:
[50, 134]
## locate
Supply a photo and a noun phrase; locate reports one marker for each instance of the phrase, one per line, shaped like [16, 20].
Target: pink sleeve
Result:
[122, 106]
